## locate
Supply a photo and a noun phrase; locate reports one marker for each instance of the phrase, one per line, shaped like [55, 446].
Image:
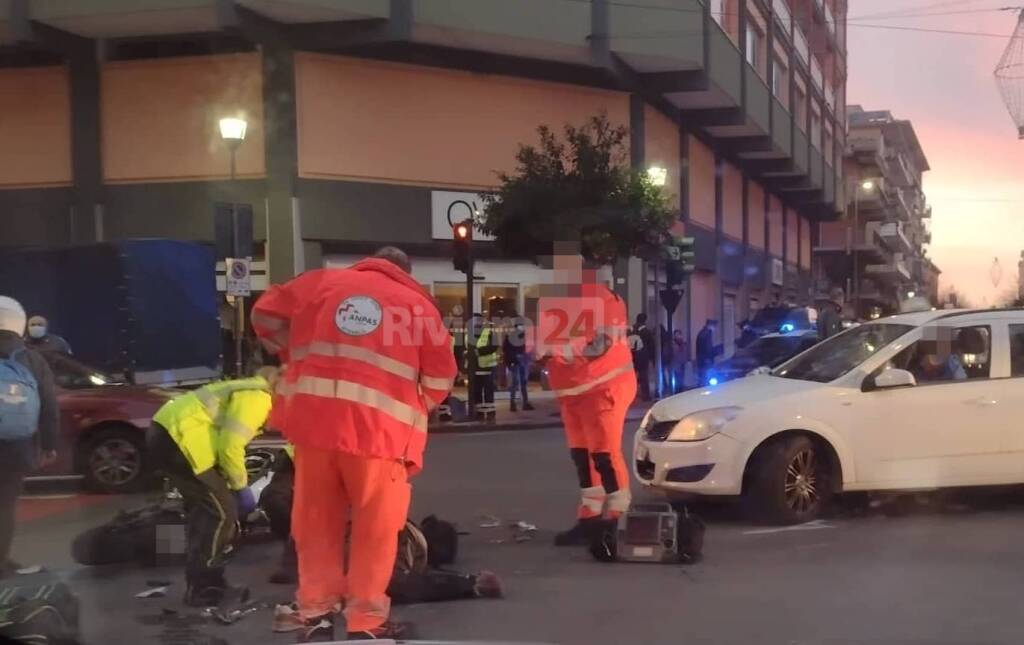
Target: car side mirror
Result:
[893, 377]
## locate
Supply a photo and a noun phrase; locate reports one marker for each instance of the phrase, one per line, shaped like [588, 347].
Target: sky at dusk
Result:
[944, 84]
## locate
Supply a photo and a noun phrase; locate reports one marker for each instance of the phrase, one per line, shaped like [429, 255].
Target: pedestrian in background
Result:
[482, 353]
[830, 318]
[29, 419]
[517, 359]
[367, 358]
[677, 362]
[706, 349]
[198, 441]
[41, 340]
[641, 342]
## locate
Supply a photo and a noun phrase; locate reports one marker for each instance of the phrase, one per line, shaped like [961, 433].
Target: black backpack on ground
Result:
[442, 540]
[38, 609]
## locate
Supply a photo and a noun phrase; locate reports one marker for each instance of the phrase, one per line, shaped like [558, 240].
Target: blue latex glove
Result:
[245, 500]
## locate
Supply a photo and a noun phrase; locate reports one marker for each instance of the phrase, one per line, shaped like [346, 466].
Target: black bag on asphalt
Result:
[140, 535]
[38, 609]
[690, 537]
[442, 540]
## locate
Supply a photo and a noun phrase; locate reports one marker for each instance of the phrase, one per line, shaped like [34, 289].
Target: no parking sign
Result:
[237, 277]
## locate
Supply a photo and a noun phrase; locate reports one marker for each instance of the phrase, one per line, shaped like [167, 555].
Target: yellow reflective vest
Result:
[213, 425]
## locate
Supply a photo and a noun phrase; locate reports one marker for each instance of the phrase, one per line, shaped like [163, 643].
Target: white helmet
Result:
[12, 316]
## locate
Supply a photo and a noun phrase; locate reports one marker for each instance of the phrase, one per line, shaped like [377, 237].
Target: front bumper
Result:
[708, 467]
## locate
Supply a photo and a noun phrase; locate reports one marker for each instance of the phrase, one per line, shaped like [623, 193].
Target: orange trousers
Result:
[332, 490]
[593, 427]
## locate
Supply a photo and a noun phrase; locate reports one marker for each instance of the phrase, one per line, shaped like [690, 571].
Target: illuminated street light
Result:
[657, 175]
[911, 294]
[232, 130]
[867, 184]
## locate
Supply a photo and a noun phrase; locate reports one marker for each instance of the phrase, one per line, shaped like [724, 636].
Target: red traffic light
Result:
[461, 231]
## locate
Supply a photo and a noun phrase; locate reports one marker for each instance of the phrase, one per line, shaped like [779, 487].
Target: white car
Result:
[914, 401]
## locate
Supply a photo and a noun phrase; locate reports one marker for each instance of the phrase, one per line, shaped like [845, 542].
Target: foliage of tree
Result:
[578, 187]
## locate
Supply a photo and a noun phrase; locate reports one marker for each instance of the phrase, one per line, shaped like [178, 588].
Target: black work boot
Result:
[527, 406]
[512, 406]
[580, 534]
[389, 630]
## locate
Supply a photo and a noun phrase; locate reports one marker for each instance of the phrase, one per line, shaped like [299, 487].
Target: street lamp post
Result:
[232, 132]
[853, 291]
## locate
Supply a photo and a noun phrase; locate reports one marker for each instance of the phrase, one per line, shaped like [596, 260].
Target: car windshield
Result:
[75, 375]
[838, 355]
[768, 350]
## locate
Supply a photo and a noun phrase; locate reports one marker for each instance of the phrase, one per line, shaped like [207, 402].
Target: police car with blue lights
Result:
[766, 352]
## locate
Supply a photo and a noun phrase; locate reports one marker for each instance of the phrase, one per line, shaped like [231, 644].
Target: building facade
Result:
[371, 121]
[878, 253]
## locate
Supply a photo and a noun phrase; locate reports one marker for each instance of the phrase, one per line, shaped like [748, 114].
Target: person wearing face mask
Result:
[41, 340]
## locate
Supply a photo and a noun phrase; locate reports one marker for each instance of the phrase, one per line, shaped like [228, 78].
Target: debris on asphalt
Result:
[523, 531]
[232, 616]
[28, 571]
[489, 522]
[154, 592]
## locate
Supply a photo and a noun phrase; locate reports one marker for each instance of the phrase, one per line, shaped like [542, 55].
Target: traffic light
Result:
[462, 237]
[679, 261]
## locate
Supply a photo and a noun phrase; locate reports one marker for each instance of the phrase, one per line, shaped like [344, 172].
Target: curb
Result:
[467, 427]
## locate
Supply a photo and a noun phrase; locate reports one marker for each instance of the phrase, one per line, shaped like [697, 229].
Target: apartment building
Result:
[878, 252]
[368, 119]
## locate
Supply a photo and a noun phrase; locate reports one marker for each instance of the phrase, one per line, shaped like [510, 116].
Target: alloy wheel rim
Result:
[801, 486]
[115, 462]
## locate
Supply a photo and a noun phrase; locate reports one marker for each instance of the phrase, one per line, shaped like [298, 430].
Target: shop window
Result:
[450, 295]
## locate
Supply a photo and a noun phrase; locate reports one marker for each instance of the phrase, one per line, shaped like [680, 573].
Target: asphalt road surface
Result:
[935, 574]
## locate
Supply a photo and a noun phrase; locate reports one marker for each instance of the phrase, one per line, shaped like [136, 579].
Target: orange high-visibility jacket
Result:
[367, 356]
[580, 375]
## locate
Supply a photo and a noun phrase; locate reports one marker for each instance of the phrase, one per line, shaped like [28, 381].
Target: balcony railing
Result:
[893, 235]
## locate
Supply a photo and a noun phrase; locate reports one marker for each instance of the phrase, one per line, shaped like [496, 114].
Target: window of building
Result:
[448, 295]
[816, 126]
[800, 104]
[780, 80]
[829, 142]
[1016, 350]
[755, 44]
[718, 11]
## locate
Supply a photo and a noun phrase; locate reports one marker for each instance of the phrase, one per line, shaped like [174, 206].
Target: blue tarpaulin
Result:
[126, 307]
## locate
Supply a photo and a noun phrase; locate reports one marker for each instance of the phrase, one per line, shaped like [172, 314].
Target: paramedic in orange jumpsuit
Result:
[367, 357]
[592, 375]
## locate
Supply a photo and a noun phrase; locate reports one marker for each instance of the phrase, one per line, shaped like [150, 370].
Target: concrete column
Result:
[85, 223]
[283, 225]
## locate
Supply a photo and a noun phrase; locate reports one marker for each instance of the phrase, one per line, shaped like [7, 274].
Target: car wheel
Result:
[113, 461]
[790, 481]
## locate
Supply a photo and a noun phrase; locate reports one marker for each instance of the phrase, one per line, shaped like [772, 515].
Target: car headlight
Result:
[646, 420]
[701, 425]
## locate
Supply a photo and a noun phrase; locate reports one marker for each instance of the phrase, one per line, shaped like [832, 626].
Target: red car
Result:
[103, 426]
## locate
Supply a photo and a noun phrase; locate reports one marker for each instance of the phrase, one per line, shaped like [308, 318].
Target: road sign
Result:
[238, 278]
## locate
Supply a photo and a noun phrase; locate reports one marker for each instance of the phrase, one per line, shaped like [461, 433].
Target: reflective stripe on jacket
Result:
[367, 356]
[214, 424]
[578, 375]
